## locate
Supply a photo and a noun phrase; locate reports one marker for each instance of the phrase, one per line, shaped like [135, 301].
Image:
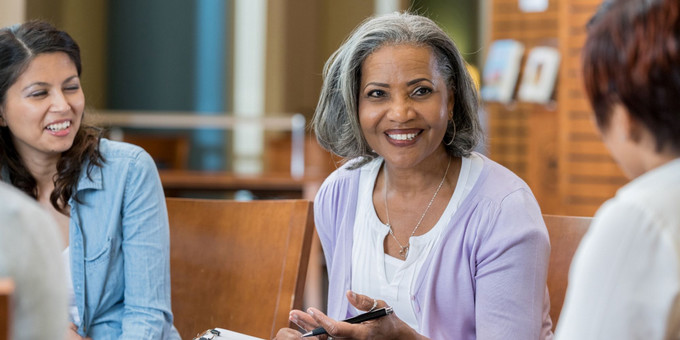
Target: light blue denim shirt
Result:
[120, 248]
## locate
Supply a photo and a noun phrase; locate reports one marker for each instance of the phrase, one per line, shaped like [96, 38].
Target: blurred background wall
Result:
[177, 55]
[142, 55]
[260, 58]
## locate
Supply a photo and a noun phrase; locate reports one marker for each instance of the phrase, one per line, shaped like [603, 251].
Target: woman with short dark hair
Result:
[624, 281]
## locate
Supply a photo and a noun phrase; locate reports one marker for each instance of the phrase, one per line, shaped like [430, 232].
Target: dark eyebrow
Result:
[415, 81]
[39, 83]
[377, 84]
[70, 78]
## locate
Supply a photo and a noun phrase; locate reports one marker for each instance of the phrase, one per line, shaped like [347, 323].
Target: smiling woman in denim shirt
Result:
[105, 196]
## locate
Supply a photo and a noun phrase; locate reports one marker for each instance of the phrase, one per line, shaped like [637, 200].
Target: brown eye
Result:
[72, 88]
[422, 91]
[40, 93]
[376, 93]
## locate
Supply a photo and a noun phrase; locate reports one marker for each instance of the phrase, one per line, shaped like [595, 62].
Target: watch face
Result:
[207, 335]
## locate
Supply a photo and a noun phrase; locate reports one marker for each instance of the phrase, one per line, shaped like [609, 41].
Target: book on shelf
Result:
[501, 70]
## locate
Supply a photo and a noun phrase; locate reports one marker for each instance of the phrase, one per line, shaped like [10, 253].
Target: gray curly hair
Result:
[336, 121]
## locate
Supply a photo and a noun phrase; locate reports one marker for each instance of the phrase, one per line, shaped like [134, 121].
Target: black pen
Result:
[356, 319]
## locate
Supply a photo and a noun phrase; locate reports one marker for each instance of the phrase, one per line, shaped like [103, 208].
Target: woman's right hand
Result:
[72, 333]
[388, 327]
[303, 320]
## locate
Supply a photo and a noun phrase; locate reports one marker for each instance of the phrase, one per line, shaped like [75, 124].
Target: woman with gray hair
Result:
[453, 242]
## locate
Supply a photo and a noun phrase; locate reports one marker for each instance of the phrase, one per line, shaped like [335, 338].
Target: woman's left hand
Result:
[387, 327]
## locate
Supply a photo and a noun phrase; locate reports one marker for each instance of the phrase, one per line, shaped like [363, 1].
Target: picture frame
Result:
[540, 74]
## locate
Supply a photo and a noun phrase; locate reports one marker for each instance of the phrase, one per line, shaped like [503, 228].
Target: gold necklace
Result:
[403, 252]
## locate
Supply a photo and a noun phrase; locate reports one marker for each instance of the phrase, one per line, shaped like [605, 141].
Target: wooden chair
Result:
[238, 265]
[6, 292]
[565, 235]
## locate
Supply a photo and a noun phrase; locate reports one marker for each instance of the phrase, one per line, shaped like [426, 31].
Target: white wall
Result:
[12, 12]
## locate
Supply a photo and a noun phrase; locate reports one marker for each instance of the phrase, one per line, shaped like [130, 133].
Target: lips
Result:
[403, 135]
[56, 127]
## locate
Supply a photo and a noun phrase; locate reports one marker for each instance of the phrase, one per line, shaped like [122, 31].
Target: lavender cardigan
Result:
[487, 277]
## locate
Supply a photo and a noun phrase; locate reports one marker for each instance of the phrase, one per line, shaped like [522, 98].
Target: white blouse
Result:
[624, 280]
[382, 276]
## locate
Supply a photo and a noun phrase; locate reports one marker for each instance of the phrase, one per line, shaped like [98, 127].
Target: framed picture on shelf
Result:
[501, 70]
[540, 74]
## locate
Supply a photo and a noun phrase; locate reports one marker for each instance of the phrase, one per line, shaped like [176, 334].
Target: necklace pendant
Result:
[403, 252]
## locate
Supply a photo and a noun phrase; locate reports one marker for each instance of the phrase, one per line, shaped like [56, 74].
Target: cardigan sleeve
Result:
[511, 268]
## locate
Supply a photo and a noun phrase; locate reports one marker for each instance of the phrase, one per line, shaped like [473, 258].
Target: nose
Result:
[401, 110]
[59, 102]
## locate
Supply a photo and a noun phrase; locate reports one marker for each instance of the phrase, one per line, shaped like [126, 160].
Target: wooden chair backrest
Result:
[565, 235]
[6, 292]
[238, 265]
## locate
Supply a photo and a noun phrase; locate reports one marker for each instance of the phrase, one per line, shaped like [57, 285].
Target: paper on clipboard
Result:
[226, 334]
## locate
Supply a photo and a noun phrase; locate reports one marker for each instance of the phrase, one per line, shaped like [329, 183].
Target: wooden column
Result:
[555, 148]
[588, 174]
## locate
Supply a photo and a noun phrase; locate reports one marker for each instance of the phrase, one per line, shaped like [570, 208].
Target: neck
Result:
[413, 180]
[44, 171]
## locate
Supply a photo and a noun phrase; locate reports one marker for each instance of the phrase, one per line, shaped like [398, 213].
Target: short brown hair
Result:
[632, 57]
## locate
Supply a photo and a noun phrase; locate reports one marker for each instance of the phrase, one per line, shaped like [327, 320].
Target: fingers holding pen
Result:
[363, 302]
[333, 327]
[303, 320]
[377, 325]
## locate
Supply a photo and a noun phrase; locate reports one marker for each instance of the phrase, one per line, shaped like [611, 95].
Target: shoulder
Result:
[655, 195]
[120, 160]
[496, 184]
[118, 154]
[341, 180]
[497, 179]
[336, 199]
[503, 207]
[114, 149]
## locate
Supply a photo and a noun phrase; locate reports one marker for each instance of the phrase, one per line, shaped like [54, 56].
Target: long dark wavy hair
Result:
[19, 45]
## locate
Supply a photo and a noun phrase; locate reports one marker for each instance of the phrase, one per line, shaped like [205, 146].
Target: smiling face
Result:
[404, 104]
[44, 107]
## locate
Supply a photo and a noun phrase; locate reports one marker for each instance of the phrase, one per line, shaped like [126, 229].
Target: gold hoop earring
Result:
[454, 133]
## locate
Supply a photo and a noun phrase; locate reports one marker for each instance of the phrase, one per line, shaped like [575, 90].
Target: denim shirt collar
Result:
[93, 181]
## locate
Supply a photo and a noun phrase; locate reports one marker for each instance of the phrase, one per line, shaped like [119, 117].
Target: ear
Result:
[630, 128]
